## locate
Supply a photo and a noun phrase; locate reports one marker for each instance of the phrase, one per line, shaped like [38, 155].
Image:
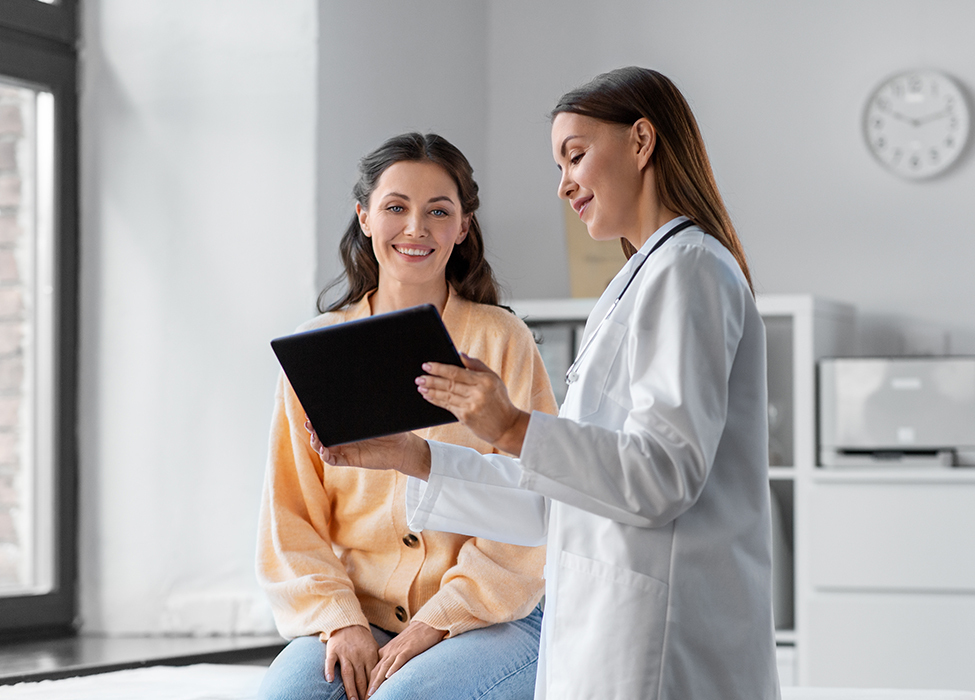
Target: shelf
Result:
[553, 310]
[785, 637]
[894, 475]
[781, 473]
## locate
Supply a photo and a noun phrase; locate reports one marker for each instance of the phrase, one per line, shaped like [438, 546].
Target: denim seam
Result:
[510, 675]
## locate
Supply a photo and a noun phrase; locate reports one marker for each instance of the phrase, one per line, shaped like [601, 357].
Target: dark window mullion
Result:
[57, 21]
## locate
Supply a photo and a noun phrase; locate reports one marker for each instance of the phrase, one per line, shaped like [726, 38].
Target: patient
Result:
[371, 607]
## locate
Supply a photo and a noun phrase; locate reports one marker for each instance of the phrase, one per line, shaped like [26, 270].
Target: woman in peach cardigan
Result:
[372, 608]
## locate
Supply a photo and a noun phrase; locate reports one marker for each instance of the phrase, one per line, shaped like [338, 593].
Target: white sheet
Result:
[223, 682]
[197, 682]
[805, 693]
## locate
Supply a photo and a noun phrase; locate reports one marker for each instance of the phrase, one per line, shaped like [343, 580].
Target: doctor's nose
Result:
[566, 186]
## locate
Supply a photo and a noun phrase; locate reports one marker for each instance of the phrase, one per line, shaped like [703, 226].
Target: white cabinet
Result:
[800, 330]
[891, 598]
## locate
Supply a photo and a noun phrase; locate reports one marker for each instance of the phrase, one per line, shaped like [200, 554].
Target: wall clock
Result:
[916, 123]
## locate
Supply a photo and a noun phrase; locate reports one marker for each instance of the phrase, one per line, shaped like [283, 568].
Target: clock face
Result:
[916, 123]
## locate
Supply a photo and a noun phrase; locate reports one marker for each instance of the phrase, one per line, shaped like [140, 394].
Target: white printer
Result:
[897, 411]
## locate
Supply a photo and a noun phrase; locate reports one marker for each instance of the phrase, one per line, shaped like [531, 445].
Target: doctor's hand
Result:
[404, 452]
[479, 399]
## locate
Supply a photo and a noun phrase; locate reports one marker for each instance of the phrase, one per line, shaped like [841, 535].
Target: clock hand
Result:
[932, 117]
[902, 117]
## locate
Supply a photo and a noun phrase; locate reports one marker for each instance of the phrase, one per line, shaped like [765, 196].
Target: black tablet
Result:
[355, 380]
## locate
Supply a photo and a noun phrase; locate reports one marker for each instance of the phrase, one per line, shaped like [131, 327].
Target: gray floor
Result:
[83, 655]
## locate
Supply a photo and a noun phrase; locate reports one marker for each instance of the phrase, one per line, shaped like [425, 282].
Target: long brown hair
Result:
[685, 181]
[467, 269]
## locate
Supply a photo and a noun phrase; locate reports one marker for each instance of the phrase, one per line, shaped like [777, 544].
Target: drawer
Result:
[892, 536]
[890, 640]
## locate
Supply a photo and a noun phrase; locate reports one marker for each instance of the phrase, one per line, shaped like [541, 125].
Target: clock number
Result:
[881, 143]
[949, 141]
[934, 155]
[882, 104]
[878, 123]
[916, 84]
[915, 161]
[897, 156]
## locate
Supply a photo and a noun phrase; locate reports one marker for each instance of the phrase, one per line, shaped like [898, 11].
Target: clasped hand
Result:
[363, 665]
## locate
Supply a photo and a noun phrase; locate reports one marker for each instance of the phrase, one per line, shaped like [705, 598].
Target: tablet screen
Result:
[355, 380]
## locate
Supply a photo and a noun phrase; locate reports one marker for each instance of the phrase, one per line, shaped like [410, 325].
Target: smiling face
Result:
[603, 173]
[414, 220]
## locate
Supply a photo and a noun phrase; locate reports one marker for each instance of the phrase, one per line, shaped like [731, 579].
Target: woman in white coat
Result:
[650, 487]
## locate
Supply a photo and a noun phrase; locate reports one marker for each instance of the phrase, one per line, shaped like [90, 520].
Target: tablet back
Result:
[355, 380]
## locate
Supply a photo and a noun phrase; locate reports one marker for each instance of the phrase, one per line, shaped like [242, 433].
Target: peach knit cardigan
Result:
[333, 546]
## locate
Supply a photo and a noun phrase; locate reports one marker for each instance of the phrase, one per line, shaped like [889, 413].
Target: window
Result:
[38, 315]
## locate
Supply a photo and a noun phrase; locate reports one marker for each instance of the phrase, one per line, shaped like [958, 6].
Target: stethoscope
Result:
[572, 374]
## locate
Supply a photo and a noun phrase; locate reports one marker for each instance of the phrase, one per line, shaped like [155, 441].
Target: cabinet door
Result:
[891, 640]
[893, 578]
[893, 536]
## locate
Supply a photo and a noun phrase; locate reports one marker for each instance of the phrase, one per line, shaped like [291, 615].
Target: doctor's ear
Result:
[363, 215]
[645, 138]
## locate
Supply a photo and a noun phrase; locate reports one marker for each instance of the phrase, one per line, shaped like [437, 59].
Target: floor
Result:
[84, 655]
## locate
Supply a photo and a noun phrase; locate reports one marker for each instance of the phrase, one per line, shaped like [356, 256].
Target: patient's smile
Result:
[415, 252]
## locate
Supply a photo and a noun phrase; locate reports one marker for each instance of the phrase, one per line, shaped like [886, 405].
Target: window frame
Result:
[38, 46]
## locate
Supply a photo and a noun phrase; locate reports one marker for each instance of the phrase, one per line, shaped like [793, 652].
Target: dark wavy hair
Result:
[685, 181]
[467, 269]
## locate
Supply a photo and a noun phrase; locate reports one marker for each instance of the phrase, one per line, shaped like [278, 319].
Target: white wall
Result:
[778, 89]
[197, 247]
[385, 68]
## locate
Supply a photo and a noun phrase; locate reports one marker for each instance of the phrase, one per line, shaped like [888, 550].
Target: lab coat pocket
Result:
[609, 631]
[596, 368]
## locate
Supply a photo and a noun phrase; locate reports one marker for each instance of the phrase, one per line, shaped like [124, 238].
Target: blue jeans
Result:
[491, 663]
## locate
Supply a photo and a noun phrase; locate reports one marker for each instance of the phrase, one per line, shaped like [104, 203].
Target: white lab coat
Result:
[650, 490]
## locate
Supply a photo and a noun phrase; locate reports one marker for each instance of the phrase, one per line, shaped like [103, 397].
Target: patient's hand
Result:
[414, 640]
[356, 652]
[404, 452]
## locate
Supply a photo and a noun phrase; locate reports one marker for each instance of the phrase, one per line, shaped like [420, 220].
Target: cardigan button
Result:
[411, 540]
[401, 613]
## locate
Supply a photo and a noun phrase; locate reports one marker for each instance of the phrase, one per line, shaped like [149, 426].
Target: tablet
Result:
[355, 380]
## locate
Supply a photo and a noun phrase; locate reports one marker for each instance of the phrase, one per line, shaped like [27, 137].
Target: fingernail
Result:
[422, 389]
[328, 677]
[425, 366]
[420, 381]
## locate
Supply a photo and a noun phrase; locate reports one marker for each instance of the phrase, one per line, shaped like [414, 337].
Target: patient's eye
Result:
[395, 208]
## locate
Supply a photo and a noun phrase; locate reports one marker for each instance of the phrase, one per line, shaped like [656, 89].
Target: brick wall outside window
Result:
[15, 217]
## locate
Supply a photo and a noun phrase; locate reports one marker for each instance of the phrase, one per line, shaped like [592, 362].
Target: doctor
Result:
[650, 488]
